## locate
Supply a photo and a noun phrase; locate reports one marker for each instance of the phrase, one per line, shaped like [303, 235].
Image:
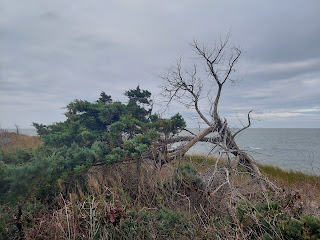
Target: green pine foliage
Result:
[99, 132]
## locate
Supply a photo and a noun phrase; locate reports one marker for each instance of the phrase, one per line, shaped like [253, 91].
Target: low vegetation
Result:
[52, 190]
[11, 140]
[171, 203]
[307, 185]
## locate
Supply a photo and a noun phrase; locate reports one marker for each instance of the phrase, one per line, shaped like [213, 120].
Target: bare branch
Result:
[187, 130]
[176, 86]
[187, 87]
[249, 124]
[232, 61]
[214, 140]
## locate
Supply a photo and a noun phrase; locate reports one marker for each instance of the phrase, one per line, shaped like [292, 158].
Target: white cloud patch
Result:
[266, 115]
[276, 115]
[267, 67]
[309, 110]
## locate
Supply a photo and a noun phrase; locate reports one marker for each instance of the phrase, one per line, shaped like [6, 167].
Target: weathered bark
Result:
[183, 86]
[214, 140]
[192, 142]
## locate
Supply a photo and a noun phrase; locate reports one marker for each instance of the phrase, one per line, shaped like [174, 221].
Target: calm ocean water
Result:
[30, 132]
[296, 149]
[287, 148]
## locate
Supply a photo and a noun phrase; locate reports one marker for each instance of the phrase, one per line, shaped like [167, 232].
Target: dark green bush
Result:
[270, 220]
[163, 224]
[310, 227]
[187, 175]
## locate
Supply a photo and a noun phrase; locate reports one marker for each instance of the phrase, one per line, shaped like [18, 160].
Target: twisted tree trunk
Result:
[185, 85]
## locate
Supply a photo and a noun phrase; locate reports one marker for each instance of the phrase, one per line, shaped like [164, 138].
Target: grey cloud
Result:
[58, 52]
[49, 16]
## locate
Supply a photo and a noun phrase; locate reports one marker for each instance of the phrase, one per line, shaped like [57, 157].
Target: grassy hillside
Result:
[11, 140]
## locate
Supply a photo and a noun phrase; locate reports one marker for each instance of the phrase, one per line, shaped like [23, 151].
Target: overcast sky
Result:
[52, 52]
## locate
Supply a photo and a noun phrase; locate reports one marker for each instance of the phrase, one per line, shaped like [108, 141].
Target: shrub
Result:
[270, 221]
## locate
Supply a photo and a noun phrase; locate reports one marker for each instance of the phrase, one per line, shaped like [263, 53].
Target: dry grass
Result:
[116, 194]
[12, 140]
[199, 162]
[115, 201]
[287, 177]
[307, 185]
[292, 182]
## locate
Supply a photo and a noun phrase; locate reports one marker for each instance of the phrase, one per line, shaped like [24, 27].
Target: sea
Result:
[295, 149]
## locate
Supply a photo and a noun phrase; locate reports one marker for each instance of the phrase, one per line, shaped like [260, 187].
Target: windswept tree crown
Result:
[124, 130]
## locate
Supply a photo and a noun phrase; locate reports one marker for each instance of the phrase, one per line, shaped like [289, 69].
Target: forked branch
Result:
[189, 86]
[249, 124]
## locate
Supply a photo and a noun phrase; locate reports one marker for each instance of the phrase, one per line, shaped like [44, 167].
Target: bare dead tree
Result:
[188, 87]
[17, 128]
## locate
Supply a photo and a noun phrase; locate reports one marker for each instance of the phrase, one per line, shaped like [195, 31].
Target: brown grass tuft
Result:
[10, 140]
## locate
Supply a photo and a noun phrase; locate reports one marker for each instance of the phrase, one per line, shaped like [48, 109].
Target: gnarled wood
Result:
[186, 87]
